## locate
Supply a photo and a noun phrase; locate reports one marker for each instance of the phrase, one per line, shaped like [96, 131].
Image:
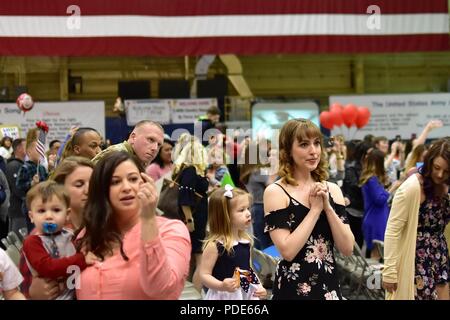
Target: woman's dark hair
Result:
[50, 145]
[361, 151]
[158, 159]
[2, 143]
[439, 148]
[101, 229]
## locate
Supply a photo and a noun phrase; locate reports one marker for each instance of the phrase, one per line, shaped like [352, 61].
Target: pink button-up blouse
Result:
[156, 269]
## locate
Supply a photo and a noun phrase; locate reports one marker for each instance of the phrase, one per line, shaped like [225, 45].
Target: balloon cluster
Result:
[25, 102]
[350, 115]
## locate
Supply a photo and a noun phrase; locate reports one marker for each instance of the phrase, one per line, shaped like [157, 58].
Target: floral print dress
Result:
[432, 264]
[311, 275]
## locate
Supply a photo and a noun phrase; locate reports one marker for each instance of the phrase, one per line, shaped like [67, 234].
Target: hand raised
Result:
[148, 196]
[435, 124]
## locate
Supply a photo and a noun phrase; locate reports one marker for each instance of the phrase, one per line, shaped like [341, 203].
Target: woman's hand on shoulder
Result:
[148, 196]
[274, 198]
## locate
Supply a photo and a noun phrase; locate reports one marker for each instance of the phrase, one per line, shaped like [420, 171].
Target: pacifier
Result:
[49, 227]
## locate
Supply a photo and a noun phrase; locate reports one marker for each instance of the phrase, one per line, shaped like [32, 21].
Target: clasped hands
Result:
[319, 196]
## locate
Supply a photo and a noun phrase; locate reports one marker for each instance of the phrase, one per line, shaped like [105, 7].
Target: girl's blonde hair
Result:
[32, 136]
[299, 130]
[219, 219]
[415, 157]
[189, 152]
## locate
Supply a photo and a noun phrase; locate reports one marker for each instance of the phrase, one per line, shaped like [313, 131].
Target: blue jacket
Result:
[376, 211]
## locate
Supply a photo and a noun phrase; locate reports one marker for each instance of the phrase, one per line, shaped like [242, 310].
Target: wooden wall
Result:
[291, 76]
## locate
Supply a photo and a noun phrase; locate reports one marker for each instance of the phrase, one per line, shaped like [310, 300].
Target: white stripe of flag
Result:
[223, 26]
[40, 145]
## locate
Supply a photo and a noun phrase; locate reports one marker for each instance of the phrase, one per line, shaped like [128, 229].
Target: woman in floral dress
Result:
[305, 217]
[416, 260]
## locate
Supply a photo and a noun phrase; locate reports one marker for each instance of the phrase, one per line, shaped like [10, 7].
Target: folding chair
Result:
[13, 253]
[366, 270]
[265, 267]
[379, 245]
[15, 240]
[23, 232]
[189, 292]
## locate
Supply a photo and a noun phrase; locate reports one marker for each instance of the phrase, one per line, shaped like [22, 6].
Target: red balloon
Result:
[363, 117]
[336, 106]
[326, 120]
[25, 102]
[350, 113]
[336, 114]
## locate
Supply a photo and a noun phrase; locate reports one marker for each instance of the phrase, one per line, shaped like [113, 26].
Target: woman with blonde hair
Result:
[189, 172]
[74, 173]
[306, 217]
[416, 157]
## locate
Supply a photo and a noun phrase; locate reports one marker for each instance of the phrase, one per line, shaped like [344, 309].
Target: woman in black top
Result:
[305, 217]
[190, 164]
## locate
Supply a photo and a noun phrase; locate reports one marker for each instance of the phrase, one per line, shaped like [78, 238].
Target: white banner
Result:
[147, 109]
[166, 111]
[188, 110]
[10, 131]
[400, 114]
[59, 116]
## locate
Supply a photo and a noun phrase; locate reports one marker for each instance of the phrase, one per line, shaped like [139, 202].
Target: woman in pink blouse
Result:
[143, 256]
[163, 161]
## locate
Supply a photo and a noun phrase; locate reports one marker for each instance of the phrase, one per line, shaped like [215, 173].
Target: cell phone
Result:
[419, 164]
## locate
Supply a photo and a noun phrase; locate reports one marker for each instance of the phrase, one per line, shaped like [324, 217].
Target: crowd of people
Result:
[94, 210]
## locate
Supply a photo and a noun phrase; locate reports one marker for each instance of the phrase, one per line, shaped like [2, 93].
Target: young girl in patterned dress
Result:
[225, 268]
[305, 217]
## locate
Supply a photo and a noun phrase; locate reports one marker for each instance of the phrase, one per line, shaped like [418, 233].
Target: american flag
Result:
[40, 145]
[196, 27]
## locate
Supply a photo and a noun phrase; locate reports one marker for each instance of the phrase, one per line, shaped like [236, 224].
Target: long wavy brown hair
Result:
[102, 232]
[298, 130]
[439, 148]
[373, 166]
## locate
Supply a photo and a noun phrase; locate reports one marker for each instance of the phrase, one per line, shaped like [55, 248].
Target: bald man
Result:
[144, 142]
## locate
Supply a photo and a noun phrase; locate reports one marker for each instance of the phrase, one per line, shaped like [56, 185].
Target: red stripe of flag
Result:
[216, 7]
[134, 46]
